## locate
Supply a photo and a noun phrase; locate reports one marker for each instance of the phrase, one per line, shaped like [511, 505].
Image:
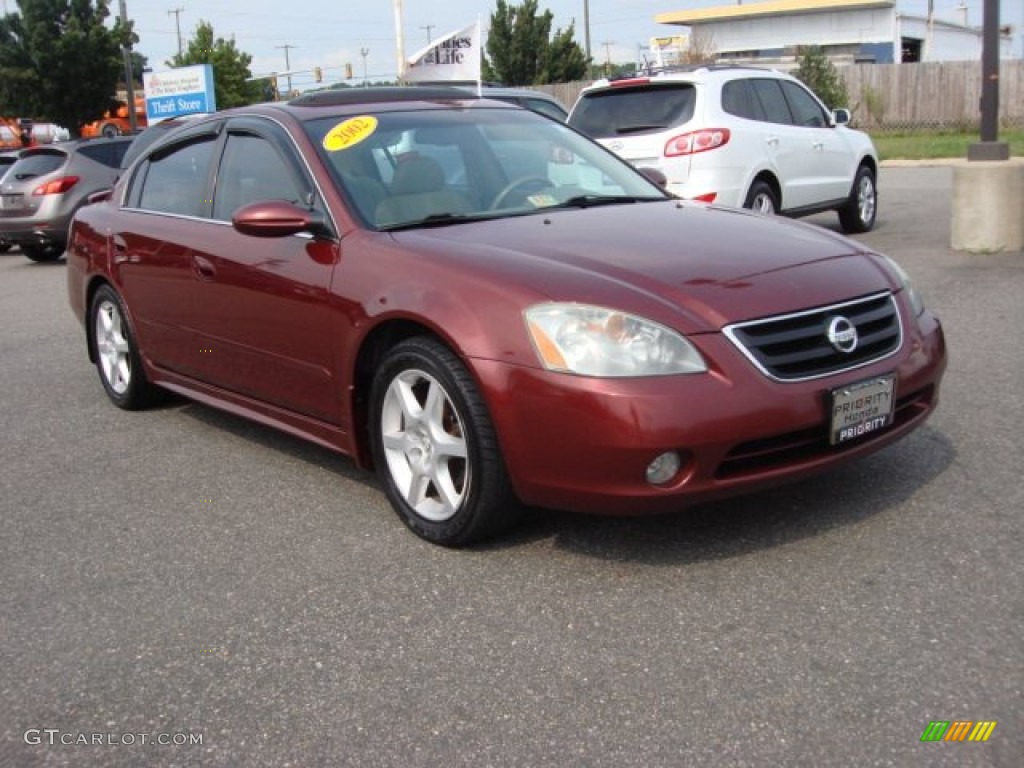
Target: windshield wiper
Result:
[433, 220]
[638, 128]
[589, 201]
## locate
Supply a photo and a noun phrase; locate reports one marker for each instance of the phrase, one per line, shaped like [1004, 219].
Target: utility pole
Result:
[177, 24]
[364, 52]
[608, 57]
[287, 65]
[129, 77]
[586, 35]
[428, 27]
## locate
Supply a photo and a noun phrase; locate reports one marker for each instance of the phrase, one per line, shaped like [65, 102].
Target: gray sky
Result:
[331, 34]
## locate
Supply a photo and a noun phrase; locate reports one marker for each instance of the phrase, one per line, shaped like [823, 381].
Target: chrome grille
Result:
[796, 347]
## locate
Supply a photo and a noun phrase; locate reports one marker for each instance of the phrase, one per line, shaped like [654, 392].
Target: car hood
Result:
[696, 267]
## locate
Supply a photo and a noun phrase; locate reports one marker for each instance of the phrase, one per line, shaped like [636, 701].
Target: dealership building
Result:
[849, 31]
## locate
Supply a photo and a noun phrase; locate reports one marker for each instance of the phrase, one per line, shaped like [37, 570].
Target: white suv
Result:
[738, 136]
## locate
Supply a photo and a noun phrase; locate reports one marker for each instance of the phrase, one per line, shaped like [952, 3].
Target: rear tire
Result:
[42, 253]
[762, 199]
[109, 130]
[5, 246]
[858, 215]
[116, 352]
[435, 448]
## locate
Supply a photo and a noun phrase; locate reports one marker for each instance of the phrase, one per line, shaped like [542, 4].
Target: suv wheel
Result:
[858, 215]
[42, 253]
[761, 198]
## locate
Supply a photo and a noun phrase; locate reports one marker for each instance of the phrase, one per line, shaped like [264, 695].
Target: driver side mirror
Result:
[277, 218]
[841, 116]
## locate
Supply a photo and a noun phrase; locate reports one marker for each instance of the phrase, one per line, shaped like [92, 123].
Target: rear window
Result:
[634, 110]
[37, 164]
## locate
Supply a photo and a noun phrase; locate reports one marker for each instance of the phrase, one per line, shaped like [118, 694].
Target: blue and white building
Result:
[847, 30]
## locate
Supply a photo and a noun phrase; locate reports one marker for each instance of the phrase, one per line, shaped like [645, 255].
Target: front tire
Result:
[762, 199]
[858, 215]
[109, 130]
[116, 352]
[435, 448]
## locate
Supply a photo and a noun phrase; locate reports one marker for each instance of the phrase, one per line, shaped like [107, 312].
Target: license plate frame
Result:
[862, 408]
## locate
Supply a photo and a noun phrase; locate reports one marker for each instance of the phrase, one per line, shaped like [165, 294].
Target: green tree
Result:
[231, 71]
[521, 50]
[59, 61]
[821, 76]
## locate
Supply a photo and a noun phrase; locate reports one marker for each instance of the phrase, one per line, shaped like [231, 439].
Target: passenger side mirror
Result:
[841, 116]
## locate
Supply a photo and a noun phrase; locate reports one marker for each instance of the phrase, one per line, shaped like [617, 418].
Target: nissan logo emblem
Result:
[842, 334]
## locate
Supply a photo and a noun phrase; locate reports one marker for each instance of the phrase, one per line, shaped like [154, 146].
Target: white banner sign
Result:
[454, 57]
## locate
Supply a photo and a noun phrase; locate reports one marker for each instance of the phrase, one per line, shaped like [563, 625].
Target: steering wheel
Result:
[512, 186]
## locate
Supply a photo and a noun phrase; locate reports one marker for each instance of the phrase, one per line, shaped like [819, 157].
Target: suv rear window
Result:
[37, 164]
[633, 110]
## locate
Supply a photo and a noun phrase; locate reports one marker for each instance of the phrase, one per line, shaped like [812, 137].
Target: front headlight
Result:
[594, 341]
[916, 302]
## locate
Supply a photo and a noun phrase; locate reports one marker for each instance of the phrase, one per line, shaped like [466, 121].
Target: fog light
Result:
[663, 468]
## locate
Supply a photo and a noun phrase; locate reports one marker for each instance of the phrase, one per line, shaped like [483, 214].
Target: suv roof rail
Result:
[650, 70]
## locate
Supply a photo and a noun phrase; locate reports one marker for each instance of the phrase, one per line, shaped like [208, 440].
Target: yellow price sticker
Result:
[350, 132]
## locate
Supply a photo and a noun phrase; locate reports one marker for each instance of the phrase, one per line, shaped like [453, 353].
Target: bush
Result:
[820, 75]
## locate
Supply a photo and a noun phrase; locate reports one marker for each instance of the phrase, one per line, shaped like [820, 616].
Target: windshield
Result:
[438, 167]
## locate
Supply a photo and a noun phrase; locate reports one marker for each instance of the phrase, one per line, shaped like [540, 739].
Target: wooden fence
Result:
[897, 97]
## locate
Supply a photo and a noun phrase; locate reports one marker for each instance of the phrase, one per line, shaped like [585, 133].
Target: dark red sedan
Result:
[491, 310]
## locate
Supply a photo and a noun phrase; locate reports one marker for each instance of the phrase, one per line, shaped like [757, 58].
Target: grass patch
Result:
[929, 145]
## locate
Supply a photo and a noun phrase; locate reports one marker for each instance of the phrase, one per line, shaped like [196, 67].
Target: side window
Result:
[251, 170]
[176, 182]
[107, 153]
[806, 110]
[773, 102]
[738, 99]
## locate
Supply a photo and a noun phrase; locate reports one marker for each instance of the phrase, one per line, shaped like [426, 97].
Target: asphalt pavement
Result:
[182, 576]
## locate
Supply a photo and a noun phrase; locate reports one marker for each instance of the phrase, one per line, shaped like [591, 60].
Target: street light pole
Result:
[364, 52]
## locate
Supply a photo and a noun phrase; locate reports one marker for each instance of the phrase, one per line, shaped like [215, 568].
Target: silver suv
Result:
[739, 136]
[43, 189]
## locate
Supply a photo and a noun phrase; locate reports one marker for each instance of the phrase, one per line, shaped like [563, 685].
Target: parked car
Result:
[42, 190]
[491, 310]
[7, 159]
[538, 101]
[739, 136]
[528, 98]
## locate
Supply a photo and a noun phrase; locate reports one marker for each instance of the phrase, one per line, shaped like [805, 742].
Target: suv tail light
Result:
[57, 186]
[697, 141]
